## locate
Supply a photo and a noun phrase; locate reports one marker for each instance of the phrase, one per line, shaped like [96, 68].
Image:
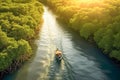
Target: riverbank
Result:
[19, 27]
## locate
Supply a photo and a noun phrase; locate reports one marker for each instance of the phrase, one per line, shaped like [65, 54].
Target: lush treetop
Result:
[19, 20]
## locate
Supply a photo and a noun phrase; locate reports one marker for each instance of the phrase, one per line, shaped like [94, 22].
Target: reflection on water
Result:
[81, 60]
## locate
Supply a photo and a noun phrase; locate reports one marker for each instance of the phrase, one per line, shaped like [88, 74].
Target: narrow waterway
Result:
[81, 60]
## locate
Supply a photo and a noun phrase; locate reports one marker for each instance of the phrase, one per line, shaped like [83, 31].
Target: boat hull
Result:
[59, 58]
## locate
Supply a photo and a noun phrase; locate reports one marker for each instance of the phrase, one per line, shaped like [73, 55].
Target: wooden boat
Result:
[58, 55]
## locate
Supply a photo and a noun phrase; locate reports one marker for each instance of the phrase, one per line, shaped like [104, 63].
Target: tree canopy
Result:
[19, 21]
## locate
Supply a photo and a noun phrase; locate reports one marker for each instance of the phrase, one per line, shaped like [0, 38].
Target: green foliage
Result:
[107, 41]
[97, 20]
[5, 25]
[87, 30]
[22, 1]
[24, 47]
[5, 61]
[99, 35]
[19, 20]
[115, 54]
[20, 32]
[117, 41]
[3, 40]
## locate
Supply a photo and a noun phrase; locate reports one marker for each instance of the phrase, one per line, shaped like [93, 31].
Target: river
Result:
[81, 60]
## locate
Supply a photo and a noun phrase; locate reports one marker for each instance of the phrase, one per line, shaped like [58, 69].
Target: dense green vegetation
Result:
[97, 21]
[19, 23]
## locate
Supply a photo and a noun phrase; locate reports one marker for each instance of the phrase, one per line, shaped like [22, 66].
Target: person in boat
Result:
[58, 53]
